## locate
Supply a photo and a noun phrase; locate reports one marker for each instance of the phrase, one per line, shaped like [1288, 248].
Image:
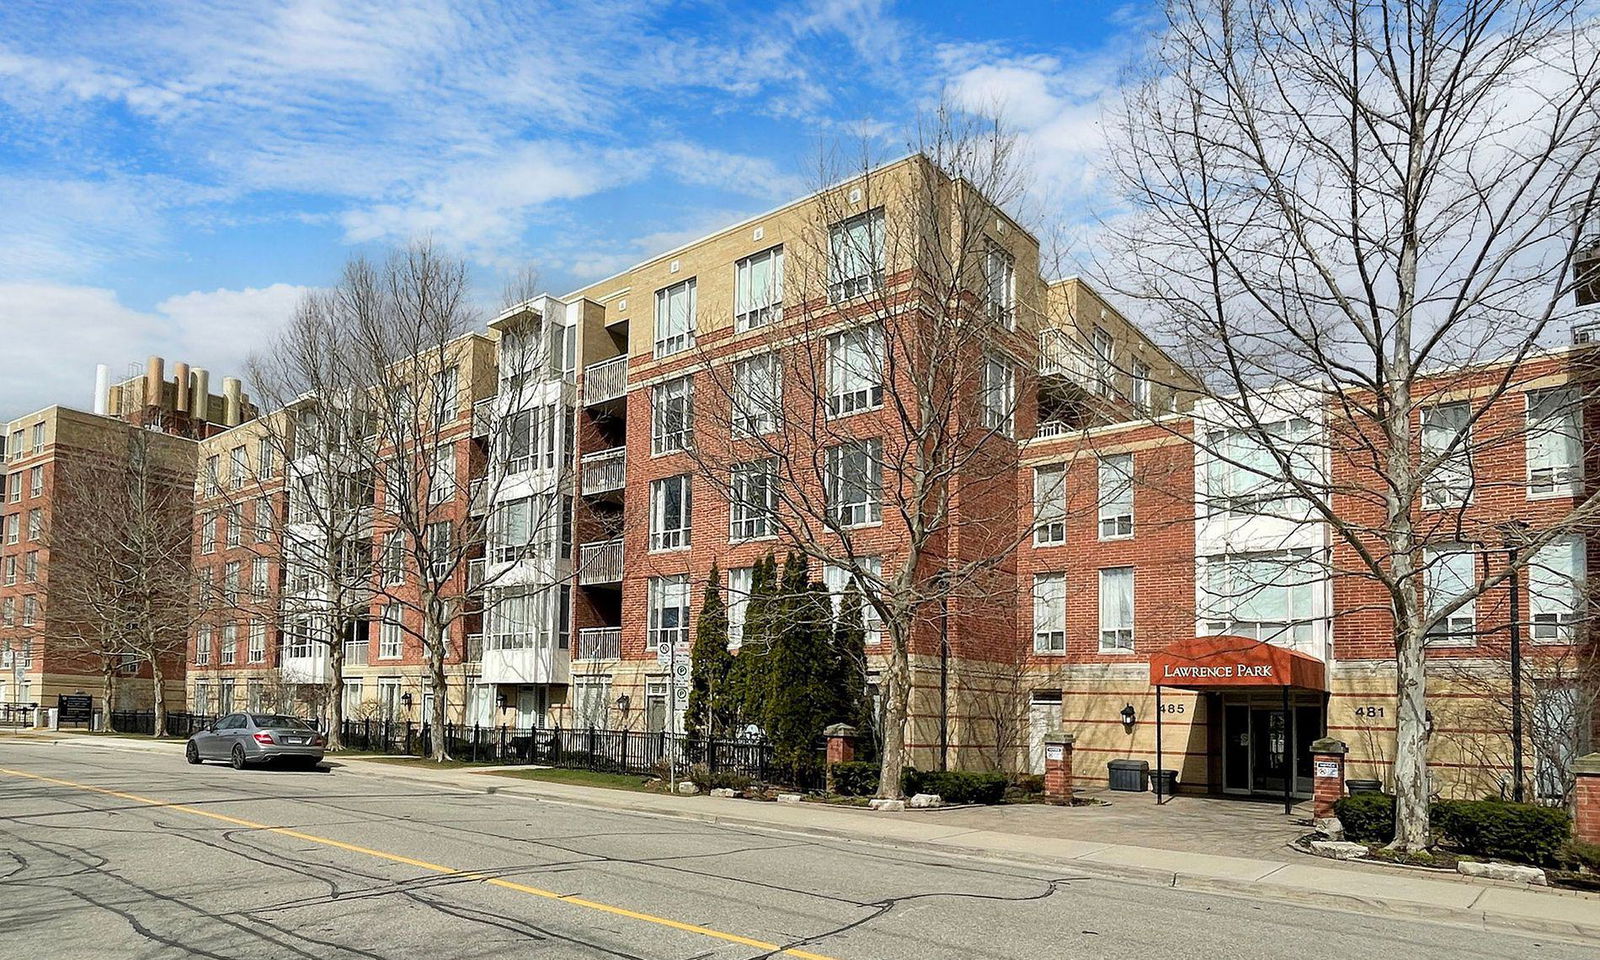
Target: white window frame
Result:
[258, 642]
[1141, 385]
[1049, 504]
[669, 495]
[1050, 614]
[675, 318]
[1234, 586]
[855, 368]
[1103, 350]
[1560, 424]
[1557, 596]
[856, 256]
[442, 481]
[1114, 485]
[1449, 570]
[391, 633]
[741, 580]
[837, 579]
[668, 400]
[230, 644]
[1000, 285]
[750, 518]
[998, 395]
[1117, 635]
[867, 509]
[753, 307]
[667, 601]
[757, 394]
[1452, 481]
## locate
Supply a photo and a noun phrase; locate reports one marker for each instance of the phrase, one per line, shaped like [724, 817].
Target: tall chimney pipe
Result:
[180, 373]
[230, 401]
[200, 395]
[102, 389]
[154, 380]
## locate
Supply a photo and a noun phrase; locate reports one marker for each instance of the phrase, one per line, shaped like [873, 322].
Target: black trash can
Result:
[1164, 782]
[1363, 786]
[1129, 776]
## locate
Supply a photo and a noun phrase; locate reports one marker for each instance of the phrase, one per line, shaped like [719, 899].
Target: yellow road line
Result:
[434, 867]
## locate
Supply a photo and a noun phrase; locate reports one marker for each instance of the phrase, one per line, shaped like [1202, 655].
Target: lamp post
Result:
[1513, 532]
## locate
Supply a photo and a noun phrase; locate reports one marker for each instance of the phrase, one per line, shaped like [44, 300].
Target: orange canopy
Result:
[1234, 662]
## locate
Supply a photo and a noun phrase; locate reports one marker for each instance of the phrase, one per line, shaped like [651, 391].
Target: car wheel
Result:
[238, 757]
[191, 753]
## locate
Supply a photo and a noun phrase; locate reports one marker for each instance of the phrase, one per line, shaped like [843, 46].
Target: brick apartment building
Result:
[44, 453]
[1123, 541]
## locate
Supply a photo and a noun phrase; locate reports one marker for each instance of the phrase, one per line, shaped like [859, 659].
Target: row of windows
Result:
[668, 603]
[13, 526]
[15, 448]
[11, 485]
[225, 643]
[1553, 446]
[29, 566]
[854, 496]
[229, 525]
[30, 611]
[1114, 500]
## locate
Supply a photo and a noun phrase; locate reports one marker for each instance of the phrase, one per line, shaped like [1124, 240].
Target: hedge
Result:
[1367, 816]
[855, 778]
[956, 786]
[1500, 829]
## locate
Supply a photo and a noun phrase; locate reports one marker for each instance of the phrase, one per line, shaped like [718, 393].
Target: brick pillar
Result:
[1058, 766]
[1586, 799]
[841, 747]
[1327, 767]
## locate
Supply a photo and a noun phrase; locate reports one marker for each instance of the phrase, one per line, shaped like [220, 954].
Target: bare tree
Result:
[908, 323]
[121, 585]
[1327, 205]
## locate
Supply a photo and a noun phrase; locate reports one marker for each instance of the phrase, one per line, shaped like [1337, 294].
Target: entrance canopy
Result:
[1212, 662]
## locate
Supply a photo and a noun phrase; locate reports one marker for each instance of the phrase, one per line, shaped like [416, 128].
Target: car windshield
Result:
[279, 720]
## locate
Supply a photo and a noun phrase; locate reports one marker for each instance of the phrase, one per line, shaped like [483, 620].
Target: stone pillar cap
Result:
[1329, 745]
[1060, 737]
[1587, 765]
[838, 730]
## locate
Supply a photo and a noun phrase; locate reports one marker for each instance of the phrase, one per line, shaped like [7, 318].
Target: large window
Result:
[675, 313]
[855, 481]
[672, 413]
[855, 370]
[1242, 475]
[1448, 572]
[1050, 504]
[391, 637]
[671, 506]
[1115, 476]
[1116, 610]
[757, 394]
[1141, 385]
[999, 394]
[204, 640]
[1446, 443]
[591, 701]
[238, 468]
[1264, 596]
[1000, 285]
[208, 533]
[1557, 579]
[442, 481]
[439, 554]
[230, 644]
[258, 642]
[669, 610]
[837, 580]
[753, 500]
[1105, 360]
[758, 289]
[855, 264]
[1555, 442]
[1050, 613]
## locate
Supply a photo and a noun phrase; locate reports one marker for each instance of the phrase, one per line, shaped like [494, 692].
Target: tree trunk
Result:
[108, 681]
[335, 732]
[896, 696]
[438, 630]
[1410, 742]
[157, 681]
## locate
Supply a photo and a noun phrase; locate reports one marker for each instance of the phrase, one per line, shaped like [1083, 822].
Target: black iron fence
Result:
[18, 714]
[179, 723]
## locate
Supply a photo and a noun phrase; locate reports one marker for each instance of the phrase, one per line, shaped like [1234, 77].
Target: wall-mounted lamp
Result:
[405, 700]
[500, 702]
[623, 703]
[1127, 717]
[1427, 723]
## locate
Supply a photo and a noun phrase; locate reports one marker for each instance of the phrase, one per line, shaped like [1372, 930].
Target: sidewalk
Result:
[1232, 848]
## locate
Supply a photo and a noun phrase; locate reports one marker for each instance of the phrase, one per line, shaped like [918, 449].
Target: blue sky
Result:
[174, 175]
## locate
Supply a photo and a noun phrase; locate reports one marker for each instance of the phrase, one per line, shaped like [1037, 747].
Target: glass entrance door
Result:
[1236, 748]
[1269, 750]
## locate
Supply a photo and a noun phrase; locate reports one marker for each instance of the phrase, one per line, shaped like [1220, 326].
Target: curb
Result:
[1144, 876]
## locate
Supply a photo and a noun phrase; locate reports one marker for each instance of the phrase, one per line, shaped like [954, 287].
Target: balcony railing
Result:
[1061, 355]
[606, 380]
[600, 562]
[1051, 428]
[599, 643]
[605, 471]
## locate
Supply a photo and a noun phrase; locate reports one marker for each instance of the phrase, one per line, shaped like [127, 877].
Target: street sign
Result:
[663, 654]
[680, 671]
[682, 693]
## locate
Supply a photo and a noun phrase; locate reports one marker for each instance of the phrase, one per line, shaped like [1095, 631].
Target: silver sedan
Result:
[246, 738]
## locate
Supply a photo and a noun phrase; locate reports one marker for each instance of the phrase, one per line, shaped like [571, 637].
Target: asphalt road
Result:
[118, 853]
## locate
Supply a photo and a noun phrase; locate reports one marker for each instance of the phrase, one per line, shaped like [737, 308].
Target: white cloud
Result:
[58, 332]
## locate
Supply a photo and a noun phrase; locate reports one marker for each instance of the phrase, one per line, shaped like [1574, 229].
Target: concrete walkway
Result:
[1231, 848]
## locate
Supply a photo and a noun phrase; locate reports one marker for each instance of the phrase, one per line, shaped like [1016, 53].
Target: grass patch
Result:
[393, 760]
[585, 778]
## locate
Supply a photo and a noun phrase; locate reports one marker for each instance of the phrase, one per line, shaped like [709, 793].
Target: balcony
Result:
[1051, 428]
[600, 563]
[605, 381]
[605, 471]
[599, 643]
[1061, 355]
[523, 658]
